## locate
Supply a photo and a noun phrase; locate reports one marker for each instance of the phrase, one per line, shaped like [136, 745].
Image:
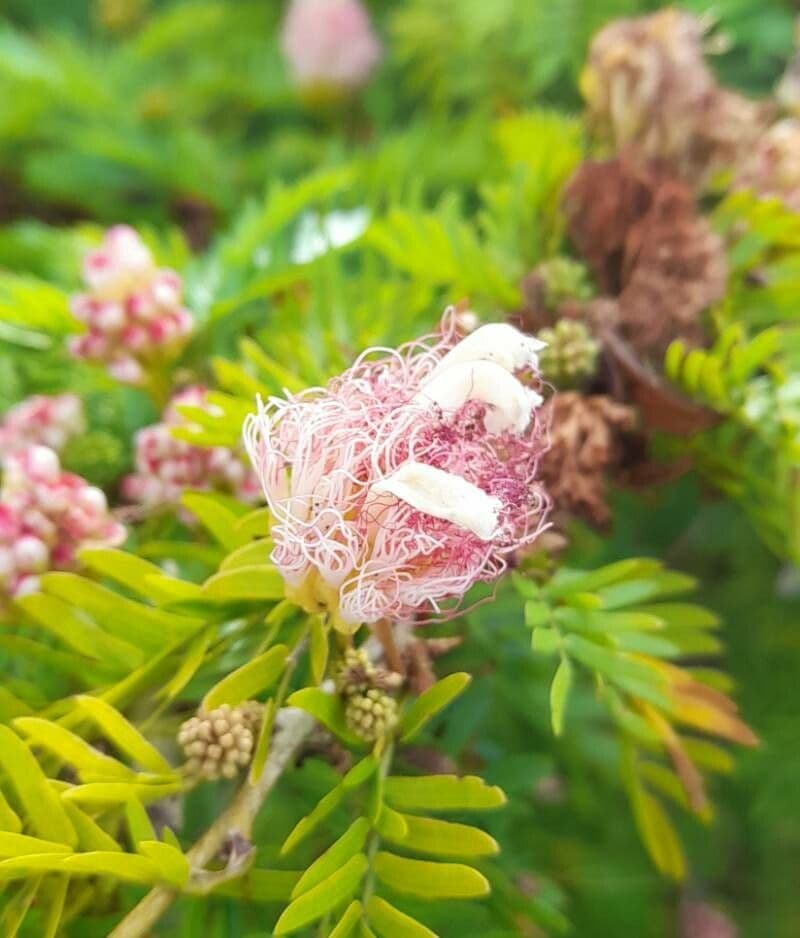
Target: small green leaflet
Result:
[429, 703]
[251, 584]
[349, 844]
[323, 897]
[428, 880]
[328, 709]
[392, 923]
[559, 692]
[442, 793]
[251, 679]
[439, 838]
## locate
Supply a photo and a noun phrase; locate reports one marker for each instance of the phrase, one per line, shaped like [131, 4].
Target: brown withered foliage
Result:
[648, 87]
[772, 168]
[586, 438]
[638, 229]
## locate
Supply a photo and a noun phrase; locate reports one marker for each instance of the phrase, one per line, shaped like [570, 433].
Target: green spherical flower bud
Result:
[355, 673]
[564, 279]
[371, 715]
[219, 743]
[571, 354]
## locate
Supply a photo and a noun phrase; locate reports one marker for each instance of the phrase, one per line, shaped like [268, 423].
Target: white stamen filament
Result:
[443, 495]
[510, 402]
[496, 342]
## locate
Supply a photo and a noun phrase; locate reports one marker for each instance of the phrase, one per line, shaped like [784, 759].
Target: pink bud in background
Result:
[46, 517]
[132, 309]
[51, 421]
[167, 466]
[329, 44]
[408, 478]
[122, 261]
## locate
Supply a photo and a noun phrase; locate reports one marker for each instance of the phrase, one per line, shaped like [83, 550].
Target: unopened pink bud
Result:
[26, 586]
[126, 370]
[31, 554]
[42, 463]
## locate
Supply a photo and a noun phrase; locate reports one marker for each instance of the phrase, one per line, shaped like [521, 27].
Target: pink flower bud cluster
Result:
[49, 421]
[329, 44]
[408, 478]
[132, 309]
[46, 516]
[166, 466]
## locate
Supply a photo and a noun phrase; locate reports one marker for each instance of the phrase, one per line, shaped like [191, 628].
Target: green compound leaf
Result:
[40, 804]
[428, 880]
[429, 703]
[324, 897]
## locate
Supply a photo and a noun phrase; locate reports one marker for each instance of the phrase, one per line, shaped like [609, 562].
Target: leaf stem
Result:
[374, 839]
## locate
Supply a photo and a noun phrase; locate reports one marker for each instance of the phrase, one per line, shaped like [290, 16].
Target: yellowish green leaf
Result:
[124, 735]
[559, 692]
[40, 804]
[249, 680]
[347, 846]
[392, 923]
[328, 709]
[442, 838]
[348, 921]
[428, 880]
[442, 793]
[323, 897]
[429, 703]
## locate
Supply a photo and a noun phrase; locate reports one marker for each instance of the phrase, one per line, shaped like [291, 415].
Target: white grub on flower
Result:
[391, 498]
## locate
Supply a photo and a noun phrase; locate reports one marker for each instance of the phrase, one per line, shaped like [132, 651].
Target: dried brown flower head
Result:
[648, 87]
[585, 440]
[638, 228]
[772, 168]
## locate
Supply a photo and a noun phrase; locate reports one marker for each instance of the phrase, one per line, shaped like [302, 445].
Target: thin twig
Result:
[239, 817]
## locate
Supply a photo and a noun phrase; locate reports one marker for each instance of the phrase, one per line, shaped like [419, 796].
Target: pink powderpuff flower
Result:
[51, 421]
[46, 517]
[329, 44]
[132, 309]
[408, 478]
[166, 467]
